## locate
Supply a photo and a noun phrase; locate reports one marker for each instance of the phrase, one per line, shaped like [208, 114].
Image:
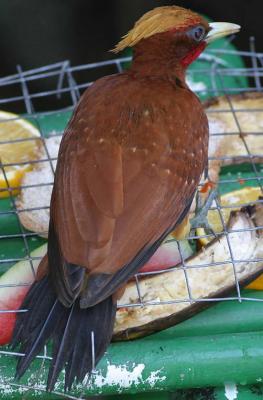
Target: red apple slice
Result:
[168, 255]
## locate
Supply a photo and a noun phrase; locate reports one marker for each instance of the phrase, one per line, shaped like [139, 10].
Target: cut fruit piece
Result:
[20, 142]
[166, 296]
[168, 255]
[14, 285]
[36, 199]
[257, 284]
[233, 200]
[226, 143]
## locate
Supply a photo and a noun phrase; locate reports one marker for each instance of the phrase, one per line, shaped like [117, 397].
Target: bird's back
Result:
[136, 143]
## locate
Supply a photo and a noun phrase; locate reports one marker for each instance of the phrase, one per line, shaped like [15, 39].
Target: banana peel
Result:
[236, 124]
[164, 298]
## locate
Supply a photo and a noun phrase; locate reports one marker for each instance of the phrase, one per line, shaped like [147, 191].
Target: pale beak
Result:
[220, 29]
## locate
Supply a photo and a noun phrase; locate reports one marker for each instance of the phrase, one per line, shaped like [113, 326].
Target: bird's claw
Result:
[200, 219]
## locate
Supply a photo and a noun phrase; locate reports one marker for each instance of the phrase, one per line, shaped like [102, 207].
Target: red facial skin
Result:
[193, 55]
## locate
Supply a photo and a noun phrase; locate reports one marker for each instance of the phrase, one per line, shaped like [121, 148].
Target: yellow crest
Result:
[160, 19]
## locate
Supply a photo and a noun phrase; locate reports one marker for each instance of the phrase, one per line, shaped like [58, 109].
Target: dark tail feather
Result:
[70, 330]
[67, 278]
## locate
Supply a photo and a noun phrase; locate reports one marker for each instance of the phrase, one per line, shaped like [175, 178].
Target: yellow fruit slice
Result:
[233, 199]
[12, 130]
[256, 284]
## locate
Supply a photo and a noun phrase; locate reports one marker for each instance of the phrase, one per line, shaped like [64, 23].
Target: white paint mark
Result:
[119, 375]
[123, 376]
[231, 391]
[155, 377]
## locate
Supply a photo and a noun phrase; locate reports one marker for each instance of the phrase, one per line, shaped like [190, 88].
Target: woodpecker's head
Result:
[182, 31]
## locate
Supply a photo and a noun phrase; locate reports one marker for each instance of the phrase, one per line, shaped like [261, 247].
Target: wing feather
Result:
[123, 180]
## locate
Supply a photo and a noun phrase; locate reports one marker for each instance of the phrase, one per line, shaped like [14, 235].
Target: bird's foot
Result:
[200, 219]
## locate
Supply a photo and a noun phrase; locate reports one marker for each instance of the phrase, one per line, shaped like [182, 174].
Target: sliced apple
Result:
[168, 255]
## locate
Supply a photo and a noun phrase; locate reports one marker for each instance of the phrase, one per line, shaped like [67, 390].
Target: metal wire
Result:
[61, 82]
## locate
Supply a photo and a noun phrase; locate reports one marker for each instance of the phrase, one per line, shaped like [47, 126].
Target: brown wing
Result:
[127, 171]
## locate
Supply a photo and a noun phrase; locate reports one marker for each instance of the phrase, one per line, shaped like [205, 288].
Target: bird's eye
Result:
[197, 33]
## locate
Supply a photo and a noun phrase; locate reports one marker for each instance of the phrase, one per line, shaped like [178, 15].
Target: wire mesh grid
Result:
[62, 85]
